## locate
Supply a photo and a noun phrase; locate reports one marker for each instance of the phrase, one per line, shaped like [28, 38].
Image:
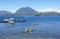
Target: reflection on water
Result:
[27, 37]
[46, 29]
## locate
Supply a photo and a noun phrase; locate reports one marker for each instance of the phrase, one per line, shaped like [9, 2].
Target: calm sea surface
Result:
[46, 27]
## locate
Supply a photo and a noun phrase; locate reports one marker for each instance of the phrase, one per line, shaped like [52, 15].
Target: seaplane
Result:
[12, 21]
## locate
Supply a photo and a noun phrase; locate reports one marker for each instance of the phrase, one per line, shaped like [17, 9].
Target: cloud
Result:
[49, 10]
[13, 12]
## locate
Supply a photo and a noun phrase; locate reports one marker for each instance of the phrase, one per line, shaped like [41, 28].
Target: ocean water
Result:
[46, 27]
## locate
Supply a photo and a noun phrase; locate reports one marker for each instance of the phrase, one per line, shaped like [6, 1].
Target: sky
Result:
[39, 5]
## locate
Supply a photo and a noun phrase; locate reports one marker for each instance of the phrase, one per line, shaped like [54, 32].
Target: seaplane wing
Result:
[12, 20]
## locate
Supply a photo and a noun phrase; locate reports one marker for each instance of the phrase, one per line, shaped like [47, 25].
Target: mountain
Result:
[29, 11]
[26, 10]
[5, 12]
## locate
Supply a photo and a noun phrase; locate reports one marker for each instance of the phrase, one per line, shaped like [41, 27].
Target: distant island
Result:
[48, 14]
[29, 11]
